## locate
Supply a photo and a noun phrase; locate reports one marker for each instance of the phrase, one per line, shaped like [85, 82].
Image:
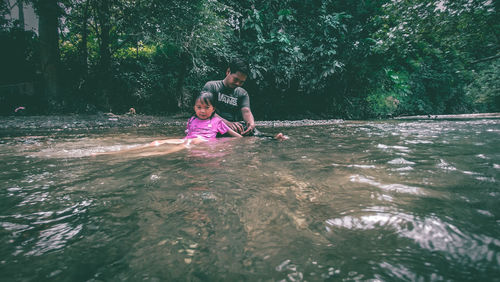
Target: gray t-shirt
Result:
[228, 102]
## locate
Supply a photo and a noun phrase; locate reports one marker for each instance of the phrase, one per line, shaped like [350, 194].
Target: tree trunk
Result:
[48, 13]
[183, 72]
[105, 27]
[20, 7]
[83, 44]
[103, 13]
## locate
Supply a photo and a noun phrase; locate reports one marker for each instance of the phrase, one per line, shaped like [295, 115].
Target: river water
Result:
[349, 200]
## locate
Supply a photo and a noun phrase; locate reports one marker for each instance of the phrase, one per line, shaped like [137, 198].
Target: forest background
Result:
[308, 58]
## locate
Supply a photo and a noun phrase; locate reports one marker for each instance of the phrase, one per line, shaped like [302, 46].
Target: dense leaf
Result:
[307, 58]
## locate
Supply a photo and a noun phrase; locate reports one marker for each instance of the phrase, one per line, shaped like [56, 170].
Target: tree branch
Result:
[486, 59]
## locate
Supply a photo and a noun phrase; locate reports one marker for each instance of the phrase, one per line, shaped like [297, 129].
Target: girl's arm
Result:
[233, 133]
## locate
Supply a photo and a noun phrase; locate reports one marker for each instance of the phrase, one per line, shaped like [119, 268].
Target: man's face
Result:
[234, 80]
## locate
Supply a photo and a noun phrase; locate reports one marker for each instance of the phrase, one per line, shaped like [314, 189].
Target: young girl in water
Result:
[204, 125]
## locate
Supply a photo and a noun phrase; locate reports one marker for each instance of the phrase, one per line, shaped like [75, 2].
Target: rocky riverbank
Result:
[69, 122]
[463, 116]
[76, 122]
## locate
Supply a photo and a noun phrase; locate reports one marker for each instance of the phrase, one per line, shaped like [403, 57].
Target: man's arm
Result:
[248, 118]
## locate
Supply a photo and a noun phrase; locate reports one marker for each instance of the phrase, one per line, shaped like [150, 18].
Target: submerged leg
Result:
[186, 143]
[136, 149]
[164, 151]
[142, 151]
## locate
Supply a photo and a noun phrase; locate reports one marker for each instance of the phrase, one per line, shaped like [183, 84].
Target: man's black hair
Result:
[238, 65]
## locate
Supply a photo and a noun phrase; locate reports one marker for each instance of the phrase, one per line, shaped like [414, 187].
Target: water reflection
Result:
[40, 232]
[384, 200]
[431, 233]
[394, 187]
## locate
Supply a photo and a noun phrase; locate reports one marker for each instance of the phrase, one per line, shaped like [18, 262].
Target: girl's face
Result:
[203, 110]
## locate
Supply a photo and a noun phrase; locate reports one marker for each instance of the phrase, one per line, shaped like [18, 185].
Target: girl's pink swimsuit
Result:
[205, 128]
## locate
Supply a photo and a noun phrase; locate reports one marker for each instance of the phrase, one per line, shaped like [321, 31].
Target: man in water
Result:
[232, 102]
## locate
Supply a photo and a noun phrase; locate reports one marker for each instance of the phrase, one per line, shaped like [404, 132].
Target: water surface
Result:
[384, 200]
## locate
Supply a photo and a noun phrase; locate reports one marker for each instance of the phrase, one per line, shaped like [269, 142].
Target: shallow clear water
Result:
[386, 200]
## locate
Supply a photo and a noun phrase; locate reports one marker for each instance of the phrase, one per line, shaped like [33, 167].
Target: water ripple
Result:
[54, 238]
[45, 230]
[399, 200]
[400, 161]
[403, 273]
[445, 166]
[430, 233]
[400, 188]
[397, 148]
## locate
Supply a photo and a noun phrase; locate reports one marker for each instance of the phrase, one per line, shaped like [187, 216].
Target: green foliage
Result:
[4, 10]
[435, 41]
[485, 88]
[293, 44]
[323, 58]
[154, 47]
[19, 56]
[391, 96]
[295, 51]
[19, 59]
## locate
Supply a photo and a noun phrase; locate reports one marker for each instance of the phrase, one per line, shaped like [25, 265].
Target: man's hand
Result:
[249, 129]
[247, 115]
[236, 126]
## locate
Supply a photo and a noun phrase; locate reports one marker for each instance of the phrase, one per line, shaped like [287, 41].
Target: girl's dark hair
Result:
[205, 97]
